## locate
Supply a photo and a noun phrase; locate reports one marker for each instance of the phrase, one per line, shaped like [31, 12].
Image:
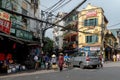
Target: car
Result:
[85, 59]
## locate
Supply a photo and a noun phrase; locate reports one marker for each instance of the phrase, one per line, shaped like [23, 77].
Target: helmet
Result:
[61, 53]
[53, 55]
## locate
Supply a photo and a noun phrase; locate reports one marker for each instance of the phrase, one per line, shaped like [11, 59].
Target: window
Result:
[91, 39]
[91, 22]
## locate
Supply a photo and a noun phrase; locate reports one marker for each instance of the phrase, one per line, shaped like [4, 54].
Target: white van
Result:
[85, 59]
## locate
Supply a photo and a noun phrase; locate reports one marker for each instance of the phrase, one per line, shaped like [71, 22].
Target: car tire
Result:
[95, 66]
[82, 66]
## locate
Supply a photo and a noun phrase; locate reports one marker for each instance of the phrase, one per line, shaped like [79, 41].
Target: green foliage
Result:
[48, 45]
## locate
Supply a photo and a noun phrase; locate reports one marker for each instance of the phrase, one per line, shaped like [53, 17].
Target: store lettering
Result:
[91, 14]
[4, 15]
[5, 26]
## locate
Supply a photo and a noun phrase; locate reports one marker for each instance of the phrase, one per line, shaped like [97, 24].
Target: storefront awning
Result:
[19, 40]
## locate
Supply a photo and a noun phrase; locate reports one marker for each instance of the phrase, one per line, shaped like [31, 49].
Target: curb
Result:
[26, 73]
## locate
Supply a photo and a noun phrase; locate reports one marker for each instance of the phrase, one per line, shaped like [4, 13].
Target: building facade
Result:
[70, 35]
[93, 23]
[17, 31]
[22, 25]
[57, 33]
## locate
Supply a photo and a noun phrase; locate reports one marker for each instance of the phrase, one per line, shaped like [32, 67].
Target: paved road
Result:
[111, 71]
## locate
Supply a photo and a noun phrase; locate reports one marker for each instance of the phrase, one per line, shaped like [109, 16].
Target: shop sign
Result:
[5, 16]
[91, 13]
[94, 48]
[23, 34]
[12, 30]
[86, 48]
[5, 26]
[2, 56]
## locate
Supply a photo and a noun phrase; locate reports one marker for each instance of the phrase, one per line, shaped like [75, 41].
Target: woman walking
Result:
[61, 61]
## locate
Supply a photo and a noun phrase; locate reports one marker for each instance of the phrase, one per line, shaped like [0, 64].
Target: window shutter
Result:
[93, 39]
[86, 39]
[96, 38]
[85, 22]
[96, 21]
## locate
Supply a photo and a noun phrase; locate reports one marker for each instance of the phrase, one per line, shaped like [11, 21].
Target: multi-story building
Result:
[70, 35]
[93, 23]
[21, 26]
[16, 31]
[116, 33]
[57, 33]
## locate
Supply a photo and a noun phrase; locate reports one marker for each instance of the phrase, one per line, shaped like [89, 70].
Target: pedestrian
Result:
[47, 62]
[114, 58]
[66, 60]
[118, 57]
[101, 60]
[54, 62]
[36, 61]
[61, 61]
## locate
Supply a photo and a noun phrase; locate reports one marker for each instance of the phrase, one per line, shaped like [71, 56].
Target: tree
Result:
[48, 45]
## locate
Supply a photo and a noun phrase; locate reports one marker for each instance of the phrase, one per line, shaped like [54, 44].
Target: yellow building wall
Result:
[95, 30]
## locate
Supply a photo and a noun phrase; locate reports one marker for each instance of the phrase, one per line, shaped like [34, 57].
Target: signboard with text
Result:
[5, 26]
[91, 13]
[4, 15]
[24, 34]
[5, 23]
[94, 48]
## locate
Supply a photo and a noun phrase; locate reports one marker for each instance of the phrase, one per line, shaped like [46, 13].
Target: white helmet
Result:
[53, 55]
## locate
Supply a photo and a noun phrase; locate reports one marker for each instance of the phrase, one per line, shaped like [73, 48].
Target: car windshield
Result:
[92, 54]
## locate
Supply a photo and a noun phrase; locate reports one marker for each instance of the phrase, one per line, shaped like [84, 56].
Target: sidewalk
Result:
[25, 73]
[112, 64]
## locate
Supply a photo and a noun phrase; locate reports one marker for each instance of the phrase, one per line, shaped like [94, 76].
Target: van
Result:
[85, 59]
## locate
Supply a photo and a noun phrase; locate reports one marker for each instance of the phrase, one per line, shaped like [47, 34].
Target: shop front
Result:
[90, 49]
[108, 53]
[14, 53]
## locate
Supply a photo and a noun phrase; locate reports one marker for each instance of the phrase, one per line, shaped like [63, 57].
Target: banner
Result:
[4, 15]
[5, 26]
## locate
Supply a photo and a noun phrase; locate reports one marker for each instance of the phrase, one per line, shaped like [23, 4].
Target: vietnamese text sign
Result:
[5, 16]
[91, 13]
[94, 48]
[5, 26]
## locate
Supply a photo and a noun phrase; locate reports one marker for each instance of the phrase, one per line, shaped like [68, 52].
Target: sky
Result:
[111, 10]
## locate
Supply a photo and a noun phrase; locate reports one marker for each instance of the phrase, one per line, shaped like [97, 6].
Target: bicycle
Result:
[68, 64]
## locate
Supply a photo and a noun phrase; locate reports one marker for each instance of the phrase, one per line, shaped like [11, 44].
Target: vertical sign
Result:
[5, 23]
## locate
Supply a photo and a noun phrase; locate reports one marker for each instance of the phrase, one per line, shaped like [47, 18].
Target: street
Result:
[109, 72]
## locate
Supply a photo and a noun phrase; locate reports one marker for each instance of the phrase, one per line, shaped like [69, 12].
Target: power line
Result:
[58, 5]
[61, 6]
[53, 5]
[19, 14]
[71, 12]
[52, 24]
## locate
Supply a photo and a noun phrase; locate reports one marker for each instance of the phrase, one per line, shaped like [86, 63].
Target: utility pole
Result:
[45, 16]
[102, 35]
